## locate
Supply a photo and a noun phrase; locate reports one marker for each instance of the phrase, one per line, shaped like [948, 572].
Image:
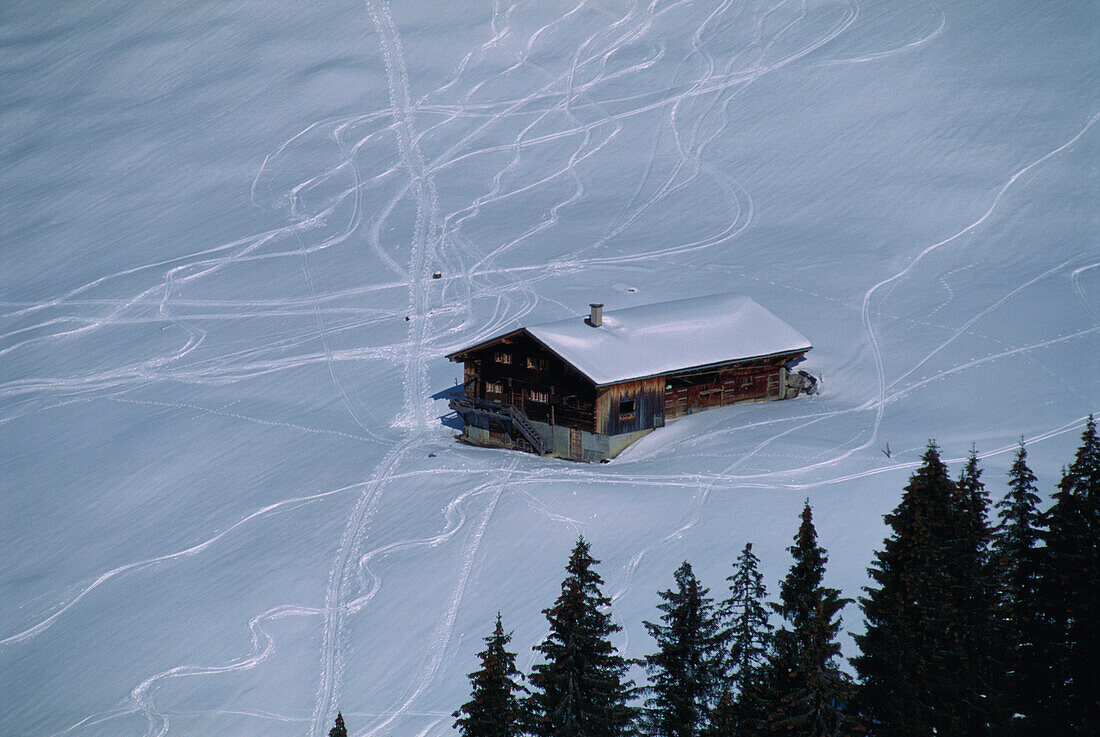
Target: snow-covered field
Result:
[231, 502]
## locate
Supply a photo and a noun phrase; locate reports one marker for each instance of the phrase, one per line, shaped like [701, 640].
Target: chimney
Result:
[595, 318]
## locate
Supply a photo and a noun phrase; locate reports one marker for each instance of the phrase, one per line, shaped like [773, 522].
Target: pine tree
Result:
[494, 709]
[805, 693]
[906, 650]
[749, 638]
[339, 730]
[688, 670]
[580, 689]
[1070, 596]
[1016, 558]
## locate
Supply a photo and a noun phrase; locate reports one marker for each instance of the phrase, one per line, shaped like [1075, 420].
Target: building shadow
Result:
[451, 419]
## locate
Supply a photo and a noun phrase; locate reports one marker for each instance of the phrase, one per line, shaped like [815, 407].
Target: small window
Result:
[493, 387]
[746, 382]
[539, 364]
[502, 357]
[538, 395]
[626, 409]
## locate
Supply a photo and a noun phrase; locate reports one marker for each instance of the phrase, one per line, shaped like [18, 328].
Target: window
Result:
[502, 357]
[538, 395]
[539, 364]
[626, 409]
[493, 387]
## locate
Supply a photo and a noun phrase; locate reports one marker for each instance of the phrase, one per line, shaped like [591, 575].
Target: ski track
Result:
[441, 637]
[692, 115]
[284, 505]
[1075, 278]
[879, 402]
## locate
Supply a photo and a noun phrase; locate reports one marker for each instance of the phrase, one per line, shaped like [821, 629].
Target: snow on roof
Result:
[651, 340]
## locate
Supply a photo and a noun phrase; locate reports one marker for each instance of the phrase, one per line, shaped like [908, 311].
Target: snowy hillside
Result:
[231, 501]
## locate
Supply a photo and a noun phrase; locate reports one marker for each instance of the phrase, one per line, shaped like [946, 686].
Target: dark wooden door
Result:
[575, 443]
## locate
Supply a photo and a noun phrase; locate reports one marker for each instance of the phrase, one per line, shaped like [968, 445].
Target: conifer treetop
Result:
[804, 692]
[749, 638]
[1083, 476]
[801, 590]
[338, 730]
[1069, 596]
[580, 689]
[494, 708]
[688, 669]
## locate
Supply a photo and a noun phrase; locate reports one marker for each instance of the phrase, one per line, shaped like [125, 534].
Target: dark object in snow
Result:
[406, 318]
[809, 383]
[437, 275]
[586, 388]
[431, 455]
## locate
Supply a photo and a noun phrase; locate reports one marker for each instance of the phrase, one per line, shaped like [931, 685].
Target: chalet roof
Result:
[656, 339]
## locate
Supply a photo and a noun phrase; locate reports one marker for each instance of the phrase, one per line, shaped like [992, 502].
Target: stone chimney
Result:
[595, 318]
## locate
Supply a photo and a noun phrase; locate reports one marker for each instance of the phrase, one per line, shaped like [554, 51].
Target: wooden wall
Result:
[533, 374]
[648, 397]
[750, 381]
[570, 397]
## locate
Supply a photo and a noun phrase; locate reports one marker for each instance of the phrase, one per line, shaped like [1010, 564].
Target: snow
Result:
[649, 340]
[218, 509]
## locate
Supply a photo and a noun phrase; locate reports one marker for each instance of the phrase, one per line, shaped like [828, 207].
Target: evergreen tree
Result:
[1016, 557]
[930, 656]
[1070, 596]
[494, 709]
[971, 612]
[339, 730]
[724, 720]
[749, 638]
[688, 670]
[580, 689]
[805, 693]
[908, 650]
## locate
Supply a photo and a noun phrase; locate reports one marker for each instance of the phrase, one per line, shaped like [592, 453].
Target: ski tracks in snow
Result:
[415, 422]
[441, 636]
[692, 114]
[284, 505]
[878, 402]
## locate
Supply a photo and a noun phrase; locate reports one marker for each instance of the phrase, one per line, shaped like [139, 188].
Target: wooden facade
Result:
[630, 406]
[745, 381]
[516, 372]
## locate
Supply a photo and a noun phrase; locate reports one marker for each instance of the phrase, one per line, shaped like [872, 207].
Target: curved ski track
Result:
[694, 112]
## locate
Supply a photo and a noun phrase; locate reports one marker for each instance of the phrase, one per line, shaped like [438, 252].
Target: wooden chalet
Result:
[587, 387]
